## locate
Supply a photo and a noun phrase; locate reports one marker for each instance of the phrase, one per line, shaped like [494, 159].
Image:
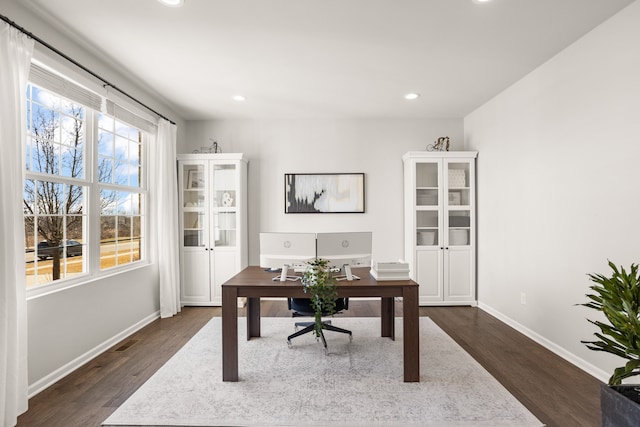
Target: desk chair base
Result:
[310, 327]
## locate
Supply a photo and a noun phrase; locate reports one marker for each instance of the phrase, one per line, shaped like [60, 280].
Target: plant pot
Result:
[620, 405]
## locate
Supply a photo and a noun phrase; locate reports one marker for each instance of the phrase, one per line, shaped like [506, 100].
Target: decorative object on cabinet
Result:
[616, 296]
[214, 148]
[426, 238]
[457, 178]
[440, 144]
[439, 199]
[454, 197]
[324, 193]
[213, 222]
[227, 200]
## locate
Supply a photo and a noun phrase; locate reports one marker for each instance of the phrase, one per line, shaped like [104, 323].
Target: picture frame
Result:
[195, 179]
[324, 193]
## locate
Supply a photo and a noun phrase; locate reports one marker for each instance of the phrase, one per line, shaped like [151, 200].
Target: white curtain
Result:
[163, 187]
[15, 57]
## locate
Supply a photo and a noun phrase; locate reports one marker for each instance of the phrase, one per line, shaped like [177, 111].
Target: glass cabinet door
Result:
[458, 203]
[224, 209]
[194, 218]
[427, 203]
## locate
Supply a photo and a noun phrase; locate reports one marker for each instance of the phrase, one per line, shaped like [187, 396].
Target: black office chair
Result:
[302, 307]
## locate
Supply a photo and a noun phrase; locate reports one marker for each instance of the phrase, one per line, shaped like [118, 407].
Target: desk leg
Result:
[411, 334]
[253, 318]
[387, 317]
[229, 333]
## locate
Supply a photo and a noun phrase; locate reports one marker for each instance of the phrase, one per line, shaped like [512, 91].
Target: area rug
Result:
[359, 383]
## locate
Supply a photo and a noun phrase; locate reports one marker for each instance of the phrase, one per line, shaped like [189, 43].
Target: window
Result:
[84, 191]
[119, 154]
[55, 190]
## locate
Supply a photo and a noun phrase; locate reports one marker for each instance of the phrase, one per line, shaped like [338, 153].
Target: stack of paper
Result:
[390, 270]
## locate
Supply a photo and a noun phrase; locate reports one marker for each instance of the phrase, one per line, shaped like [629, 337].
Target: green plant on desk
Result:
[322, 287]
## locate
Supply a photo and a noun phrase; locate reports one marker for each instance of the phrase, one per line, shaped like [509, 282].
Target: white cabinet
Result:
[439, 224]
[213, 224]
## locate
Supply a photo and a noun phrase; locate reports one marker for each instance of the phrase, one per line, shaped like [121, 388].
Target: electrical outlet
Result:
[523, 298]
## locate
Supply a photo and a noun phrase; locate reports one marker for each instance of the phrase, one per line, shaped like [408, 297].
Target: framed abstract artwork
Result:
[324, 193]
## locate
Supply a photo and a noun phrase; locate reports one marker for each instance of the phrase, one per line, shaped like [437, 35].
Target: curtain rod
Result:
[77, 64]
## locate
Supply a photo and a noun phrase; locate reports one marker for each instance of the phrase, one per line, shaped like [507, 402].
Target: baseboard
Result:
[65, 370]
[549, 345]
[423, 303]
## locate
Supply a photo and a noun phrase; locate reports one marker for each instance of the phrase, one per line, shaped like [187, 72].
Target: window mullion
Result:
[93, 230]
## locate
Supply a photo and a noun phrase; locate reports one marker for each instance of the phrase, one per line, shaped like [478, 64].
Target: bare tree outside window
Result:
[54, 199]
[54, 210]
[59, 183]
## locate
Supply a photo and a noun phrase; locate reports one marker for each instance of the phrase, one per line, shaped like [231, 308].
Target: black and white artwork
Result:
[324, 193]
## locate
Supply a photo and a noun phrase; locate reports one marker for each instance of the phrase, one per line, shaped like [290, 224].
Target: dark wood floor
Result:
[558, 393]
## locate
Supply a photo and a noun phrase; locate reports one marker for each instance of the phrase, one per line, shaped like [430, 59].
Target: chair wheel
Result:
[350, 337]
[289, 344]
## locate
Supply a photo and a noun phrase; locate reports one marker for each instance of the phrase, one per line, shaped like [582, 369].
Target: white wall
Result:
[558, 186]
[276, 147]
[69, 327]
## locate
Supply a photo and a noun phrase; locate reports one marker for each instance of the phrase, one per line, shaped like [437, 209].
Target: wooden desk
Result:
[254, 283]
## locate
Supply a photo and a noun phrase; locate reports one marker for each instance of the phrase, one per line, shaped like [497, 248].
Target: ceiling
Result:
[325, 58]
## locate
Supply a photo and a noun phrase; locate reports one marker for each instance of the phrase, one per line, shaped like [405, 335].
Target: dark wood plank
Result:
[558, 393]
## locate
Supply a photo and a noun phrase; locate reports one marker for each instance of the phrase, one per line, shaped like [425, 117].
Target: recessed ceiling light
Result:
[172, 3]
[481, 1]
[239, 98]
[412, 96]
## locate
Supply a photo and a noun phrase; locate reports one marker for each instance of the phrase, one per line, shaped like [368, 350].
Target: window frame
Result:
[91, 243]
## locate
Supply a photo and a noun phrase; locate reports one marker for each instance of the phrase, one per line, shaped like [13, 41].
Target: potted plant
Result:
[322, 287]
[618, 297]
